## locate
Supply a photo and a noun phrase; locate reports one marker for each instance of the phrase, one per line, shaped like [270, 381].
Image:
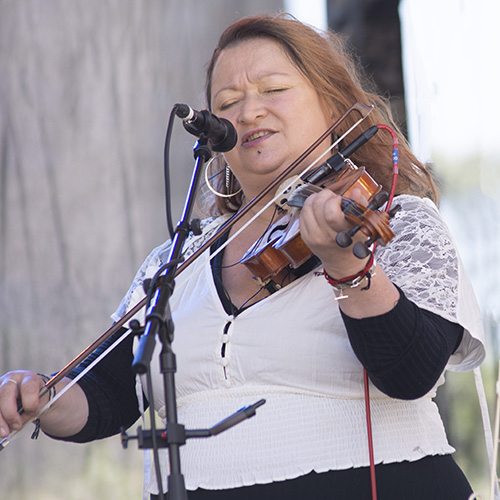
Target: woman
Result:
[412, 315]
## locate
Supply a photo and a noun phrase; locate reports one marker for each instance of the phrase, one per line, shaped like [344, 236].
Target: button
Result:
[226, 383]
[224, 362]
[225, 338]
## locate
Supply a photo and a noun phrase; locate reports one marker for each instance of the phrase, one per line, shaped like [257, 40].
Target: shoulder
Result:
[208, 227]
[424, 262]
[422, 258]
[418, 225]
[414, 209]
[159, 256]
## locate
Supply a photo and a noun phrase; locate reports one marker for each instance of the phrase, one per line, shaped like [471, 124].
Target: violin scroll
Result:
[370, 221]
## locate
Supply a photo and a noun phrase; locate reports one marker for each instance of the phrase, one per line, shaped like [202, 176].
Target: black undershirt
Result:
[433, 477]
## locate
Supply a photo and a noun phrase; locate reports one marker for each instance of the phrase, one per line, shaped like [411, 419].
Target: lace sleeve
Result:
[423, 260]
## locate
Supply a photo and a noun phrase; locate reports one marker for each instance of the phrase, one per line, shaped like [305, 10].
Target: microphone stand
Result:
[159, 323]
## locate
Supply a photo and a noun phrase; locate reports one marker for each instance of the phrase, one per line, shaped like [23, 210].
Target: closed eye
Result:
[272, 91]
[227, 105]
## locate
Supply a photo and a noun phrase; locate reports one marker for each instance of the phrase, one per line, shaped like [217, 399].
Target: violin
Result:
[282, 247]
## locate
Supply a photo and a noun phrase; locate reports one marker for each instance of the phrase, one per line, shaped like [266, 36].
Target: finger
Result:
[324, 215]
[30, 392]
[314, 207]
[357, 195]
[320, 221]
[9, 404]
[18, 390]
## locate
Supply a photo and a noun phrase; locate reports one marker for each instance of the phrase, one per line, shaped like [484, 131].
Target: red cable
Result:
[395, 162]
[373, 479]
[395, 171]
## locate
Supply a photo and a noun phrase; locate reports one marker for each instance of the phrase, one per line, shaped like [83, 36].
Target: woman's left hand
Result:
[321, 219]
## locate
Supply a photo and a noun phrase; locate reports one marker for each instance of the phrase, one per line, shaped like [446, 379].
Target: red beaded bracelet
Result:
[354, 280]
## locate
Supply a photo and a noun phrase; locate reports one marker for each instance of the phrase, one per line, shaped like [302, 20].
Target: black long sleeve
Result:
[110, 391]
[405, 350]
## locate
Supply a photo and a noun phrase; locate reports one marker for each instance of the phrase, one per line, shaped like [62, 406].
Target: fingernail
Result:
[3, 432]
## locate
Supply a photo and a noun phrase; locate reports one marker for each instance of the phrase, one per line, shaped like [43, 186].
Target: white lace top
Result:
[292, 350]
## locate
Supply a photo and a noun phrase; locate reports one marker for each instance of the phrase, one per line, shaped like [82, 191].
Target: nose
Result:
[252, 109]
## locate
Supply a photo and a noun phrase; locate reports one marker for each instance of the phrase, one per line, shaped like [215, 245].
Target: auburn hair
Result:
[323, 58]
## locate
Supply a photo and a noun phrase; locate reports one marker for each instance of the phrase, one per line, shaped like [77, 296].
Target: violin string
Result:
[256, 244]
[303, 191]
[350, 207]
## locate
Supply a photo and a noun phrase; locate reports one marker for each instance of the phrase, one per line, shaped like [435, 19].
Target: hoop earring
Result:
[335, 138]
[227, 180]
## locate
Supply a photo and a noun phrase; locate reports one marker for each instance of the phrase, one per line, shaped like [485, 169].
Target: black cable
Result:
[166, 172]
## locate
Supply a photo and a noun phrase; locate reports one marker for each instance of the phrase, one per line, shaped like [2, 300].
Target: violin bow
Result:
[361, 108]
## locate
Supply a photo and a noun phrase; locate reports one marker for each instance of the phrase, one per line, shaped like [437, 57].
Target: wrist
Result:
[50, 393]
[361, 278]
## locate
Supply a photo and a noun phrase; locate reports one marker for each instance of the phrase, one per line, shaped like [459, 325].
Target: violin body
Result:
[282, 246]
[263, 259]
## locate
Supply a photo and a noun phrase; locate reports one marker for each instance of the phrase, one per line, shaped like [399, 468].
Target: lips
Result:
[256, 137]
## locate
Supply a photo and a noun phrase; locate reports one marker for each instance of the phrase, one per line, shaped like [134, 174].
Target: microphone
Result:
[219, 131]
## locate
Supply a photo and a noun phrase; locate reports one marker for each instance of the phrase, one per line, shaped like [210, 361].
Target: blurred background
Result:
[86, 88]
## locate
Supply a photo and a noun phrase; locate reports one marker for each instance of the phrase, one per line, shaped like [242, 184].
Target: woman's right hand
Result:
[66, 417]
[19, 388]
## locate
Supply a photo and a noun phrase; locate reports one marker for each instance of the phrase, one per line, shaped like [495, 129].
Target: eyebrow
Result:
[258, 79]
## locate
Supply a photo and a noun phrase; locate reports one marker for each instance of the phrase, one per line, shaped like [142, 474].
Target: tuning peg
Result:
[343, 239]
[378, 200]
[361, 250]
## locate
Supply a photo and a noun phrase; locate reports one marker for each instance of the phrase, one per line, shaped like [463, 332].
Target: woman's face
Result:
[276, 111]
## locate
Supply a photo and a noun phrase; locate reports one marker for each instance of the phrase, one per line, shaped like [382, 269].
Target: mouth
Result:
[254, 138]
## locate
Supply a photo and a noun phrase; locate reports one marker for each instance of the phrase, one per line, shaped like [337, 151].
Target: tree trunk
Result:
[86, 90]
[373, 29]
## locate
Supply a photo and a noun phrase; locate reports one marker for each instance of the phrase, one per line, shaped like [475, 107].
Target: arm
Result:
[405, 350]
[320, 221]
[403, 345]
[109, 389]
[81, 413]
[96, 407]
